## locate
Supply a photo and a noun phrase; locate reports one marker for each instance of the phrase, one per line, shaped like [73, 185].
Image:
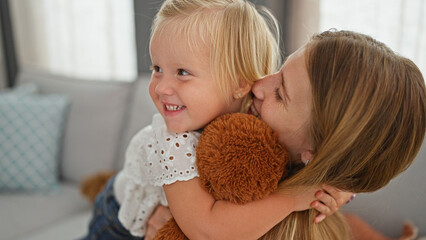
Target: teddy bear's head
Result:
[240, 159]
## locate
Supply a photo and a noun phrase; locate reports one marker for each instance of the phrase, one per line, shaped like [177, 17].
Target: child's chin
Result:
[174, 128]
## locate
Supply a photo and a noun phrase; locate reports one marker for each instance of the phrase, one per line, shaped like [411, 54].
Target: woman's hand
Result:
[330, 199]
[160, 216]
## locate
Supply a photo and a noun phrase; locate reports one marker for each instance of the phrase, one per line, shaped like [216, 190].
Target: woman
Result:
[354, 109]
[356, 106]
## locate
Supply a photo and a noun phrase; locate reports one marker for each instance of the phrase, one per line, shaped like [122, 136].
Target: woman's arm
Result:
[201, 217]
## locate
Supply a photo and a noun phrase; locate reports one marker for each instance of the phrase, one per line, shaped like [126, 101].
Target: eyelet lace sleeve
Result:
[174, 157]
[154, 157]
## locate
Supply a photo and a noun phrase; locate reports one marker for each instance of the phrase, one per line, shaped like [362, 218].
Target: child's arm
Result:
[201, 217]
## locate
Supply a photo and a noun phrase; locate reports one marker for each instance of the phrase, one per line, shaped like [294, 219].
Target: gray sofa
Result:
[102, 118]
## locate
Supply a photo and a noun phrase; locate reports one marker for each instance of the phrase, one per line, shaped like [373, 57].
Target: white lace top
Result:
[154, 157]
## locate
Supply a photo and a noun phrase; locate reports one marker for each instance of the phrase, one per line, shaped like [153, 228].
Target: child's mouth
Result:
[174, 107]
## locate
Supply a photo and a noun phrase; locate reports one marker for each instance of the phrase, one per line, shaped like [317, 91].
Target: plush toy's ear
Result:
[240, 159]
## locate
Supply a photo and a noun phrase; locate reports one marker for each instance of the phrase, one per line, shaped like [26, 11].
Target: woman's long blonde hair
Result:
[368, 124]
[243, 42]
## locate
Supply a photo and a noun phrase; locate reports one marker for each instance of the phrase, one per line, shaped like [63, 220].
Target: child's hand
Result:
[160, 216]
[330, 199]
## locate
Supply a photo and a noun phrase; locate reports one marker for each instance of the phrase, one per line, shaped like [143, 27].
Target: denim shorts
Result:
[105, 224]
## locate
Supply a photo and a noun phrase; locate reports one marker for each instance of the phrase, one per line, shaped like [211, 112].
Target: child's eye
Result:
[183, 72]
[156, 69]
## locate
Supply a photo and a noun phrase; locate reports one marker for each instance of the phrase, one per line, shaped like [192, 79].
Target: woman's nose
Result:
[164, 86]
[258, 89]
[262, 85]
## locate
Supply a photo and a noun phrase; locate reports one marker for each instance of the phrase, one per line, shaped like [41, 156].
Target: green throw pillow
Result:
[31, 129]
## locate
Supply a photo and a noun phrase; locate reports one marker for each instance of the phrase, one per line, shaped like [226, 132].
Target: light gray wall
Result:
[145, 11]
[302, 20]
[2, 66]
[299, 19]
[403, 199]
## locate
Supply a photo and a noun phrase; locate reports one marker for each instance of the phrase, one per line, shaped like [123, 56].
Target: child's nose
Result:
[164, 86]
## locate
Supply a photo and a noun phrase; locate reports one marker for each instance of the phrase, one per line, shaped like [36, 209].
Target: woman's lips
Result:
[254, 110]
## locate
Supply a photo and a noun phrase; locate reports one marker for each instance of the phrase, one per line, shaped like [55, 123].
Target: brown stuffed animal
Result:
[94, 184]
[239, 159]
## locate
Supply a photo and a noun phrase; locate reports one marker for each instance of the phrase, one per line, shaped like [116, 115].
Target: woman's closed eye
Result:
[277, 94]
[280, 97]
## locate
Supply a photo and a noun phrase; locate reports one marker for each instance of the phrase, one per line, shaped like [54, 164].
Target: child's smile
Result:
[182, 85]
[171, 109]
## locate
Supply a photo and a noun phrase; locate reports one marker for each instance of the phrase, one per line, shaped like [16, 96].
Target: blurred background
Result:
[108, 39]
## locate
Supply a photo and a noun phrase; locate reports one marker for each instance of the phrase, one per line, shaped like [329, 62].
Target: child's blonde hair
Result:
[243, 43]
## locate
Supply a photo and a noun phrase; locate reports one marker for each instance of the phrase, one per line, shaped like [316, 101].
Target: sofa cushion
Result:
[24, 213]
[95, 121]
[31, 127]
[20, 90]
[74, 226]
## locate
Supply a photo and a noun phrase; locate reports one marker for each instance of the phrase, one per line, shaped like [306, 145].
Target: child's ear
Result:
[242, 90]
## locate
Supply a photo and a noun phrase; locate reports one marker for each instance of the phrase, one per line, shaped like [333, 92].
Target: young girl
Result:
[206, 54]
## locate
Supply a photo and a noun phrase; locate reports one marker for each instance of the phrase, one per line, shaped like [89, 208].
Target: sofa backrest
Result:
[99, 115]
[139, 115]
